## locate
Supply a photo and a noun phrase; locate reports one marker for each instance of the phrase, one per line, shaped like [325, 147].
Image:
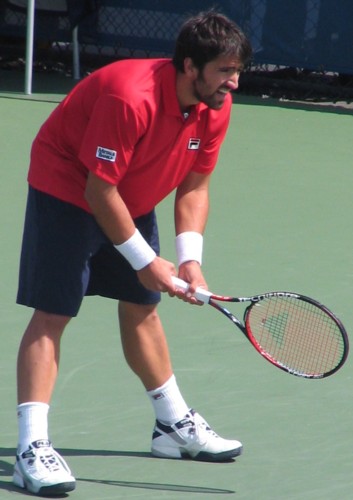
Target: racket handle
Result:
[201, 294]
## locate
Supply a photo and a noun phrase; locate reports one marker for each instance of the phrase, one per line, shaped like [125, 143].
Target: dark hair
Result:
[207, 36]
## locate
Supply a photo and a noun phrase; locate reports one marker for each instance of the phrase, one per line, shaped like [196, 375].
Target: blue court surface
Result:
[281, 219]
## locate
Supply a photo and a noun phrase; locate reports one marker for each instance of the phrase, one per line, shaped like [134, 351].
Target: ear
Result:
[189, 69]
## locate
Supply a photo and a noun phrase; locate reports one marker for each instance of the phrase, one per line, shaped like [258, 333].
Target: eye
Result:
[231, 71]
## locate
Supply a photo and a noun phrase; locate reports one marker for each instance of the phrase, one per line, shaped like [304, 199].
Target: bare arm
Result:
[192, 204]
[115, 220]
[191, 213]
[109, 209]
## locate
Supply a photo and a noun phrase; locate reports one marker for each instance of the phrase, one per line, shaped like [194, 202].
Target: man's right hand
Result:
[157, 275]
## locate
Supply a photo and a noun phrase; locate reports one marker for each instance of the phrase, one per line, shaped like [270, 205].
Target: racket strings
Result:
[296, 334]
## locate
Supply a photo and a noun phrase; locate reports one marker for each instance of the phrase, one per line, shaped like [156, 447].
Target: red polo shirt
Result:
[123, 122]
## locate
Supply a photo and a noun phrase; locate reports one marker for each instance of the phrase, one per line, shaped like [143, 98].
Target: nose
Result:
[233, 82]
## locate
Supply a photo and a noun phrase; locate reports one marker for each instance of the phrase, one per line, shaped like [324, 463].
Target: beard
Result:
[213, 100]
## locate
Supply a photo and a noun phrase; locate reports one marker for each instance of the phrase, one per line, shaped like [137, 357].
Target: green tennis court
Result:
[281, 218]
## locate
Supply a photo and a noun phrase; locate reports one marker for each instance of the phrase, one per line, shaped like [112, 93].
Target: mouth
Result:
[223, 91]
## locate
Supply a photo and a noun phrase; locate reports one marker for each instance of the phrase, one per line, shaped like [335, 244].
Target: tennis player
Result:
[122, 140]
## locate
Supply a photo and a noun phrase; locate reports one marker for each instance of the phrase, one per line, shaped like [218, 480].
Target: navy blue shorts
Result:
[65, 256]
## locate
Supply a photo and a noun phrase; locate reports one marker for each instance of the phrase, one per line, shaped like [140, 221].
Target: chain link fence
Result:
[303, 49]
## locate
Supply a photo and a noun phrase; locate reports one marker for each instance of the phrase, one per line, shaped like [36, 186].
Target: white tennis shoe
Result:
[192, 437]
[41, 470]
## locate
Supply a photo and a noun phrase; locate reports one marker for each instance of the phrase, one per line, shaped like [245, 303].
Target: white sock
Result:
[32, 423]
[168, 403]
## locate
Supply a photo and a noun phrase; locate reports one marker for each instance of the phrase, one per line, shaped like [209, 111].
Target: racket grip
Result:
[201, 294]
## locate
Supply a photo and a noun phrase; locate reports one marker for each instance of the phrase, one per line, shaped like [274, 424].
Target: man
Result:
[122, 140]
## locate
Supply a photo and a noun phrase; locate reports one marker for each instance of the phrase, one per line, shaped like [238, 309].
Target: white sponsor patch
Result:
[106, 154]
[194, 143]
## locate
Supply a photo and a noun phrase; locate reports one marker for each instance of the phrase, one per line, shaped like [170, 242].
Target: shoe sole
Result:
[54, 489]
[202, 456]
[225, 456]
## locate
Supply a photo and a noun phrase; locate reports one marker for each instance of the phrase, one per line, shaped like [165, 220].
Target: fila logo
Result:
[194, 143]
[105, 154]
[160, 395]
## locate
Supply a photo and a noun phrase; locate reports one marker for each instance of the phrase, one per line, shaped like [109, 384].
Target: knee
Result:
[47, 323]
[139, 312]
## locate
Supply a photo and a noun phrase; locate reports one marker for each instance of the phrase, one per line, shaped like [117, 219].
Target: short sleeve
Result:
[112, 132]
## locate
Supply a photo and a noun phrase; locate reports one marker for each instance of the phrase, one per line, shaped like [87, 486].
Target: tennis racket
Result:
[295, 333]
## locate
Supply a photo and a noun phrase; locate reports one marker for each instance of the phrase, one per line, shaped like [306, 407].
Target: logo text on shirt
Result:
[106, 154]
[194, 143]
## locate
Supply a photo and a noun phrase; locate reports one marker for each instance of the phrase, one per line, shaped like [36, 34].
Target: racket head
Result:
[297, 334]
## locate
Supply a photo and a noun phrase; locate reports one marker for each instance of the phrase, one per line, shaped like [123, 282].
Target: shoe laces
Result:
[49, 459]
[45, 454]
[201, 429]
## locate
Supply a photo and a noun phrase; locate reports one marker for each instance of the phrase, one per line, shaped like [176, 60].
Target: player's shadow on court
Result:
[6, 469]
[160, 486]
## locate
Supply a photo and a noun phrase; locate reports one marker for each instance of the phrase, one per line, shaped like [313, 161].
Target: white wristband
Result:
[137, 251]
[189, 247]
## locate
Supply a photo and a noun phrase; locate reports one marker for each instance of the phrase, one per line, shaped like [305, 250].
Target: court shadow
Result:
[67, 452]
[160, 486]
[11, 488]
[6, 469]
[344, 108]
[70, 452]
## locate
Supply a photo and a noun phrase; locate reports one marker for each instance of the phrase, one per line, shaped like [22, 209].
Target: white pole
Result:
[76, 54]
[29, 46]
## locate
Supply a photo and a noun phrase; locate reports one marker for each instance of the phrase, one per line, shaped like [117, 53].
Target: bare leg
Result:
[38, 467]
[147, 353]
[38, 357]
[144, 343]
